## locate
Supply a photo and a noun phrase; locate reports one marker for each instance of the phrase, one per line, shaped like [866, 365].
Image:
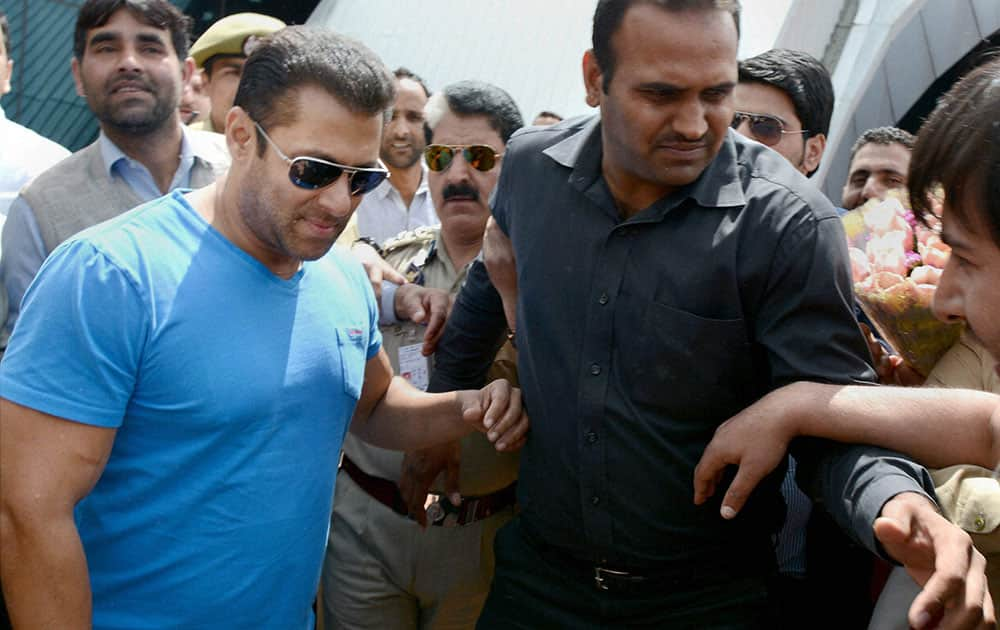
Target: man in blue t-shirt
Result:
[177, 389]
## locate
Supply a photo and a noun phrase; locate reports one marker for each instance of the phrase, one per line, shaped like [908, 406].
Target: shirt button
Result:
[603, 299]
[596, 500]
[980, 523]
[591, 437]
[595, 369]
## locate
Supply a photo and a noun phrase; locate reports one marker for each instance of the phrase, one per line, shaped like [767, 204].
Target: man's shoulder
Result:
[411, 241]
[73, 165]
[211, 147]
[772, 184]
[528, 139]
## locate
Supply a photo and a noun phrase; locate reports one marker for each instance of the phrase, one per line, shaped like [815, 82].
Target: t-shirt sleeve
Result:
[76, 350]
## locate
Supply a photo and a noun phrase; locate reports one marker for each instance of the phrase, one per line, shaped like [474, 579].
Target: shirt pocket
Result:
[690, 366]
[353, 359]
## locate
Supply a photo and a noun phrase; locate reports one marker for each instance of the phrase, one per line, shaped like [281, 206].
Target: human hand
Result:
[497, 411]
[376, 267]
[424, 306]
[421, 468]
[940, 557]
[756, 440]
[892, 369]
[498, 256]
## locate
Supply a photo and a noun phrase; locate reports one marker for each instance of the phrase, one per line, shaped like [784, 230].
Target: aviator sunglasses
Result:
[313, 173]
[479, 156]
[766, 129]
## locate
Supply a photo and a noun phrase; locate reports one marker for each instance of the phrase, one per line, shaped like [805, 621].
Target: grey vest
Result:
[78, 192]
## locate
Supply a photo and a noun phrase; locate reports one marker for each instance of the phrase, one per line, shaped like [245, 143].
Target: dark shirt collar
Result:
[719, 186]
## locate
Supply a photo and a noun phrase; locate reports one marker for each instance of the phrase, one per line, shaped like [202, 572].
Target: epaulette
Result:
[420, 236]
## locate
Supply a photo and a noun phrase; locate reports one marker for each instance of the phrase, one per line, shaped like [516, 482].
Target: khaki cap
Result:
[233, 35]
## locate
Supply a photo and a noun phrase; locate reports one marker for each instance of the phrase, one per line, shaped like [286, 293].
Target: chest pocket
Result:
[689, 365]
[353, 358]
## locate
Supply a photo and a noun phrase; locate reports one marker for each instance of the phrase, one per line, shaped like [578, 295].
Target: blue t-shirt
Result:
[231, 390]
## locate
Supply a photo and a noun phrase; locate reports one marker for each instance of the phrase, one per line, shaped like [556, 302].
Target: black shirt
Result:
[638, 337]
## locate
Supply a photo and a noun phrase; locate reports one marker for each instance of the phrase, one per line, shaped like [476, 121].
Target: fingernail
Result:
[492, 435]
[923, 620]
[501, 446]
[728, 513]
[487, 422]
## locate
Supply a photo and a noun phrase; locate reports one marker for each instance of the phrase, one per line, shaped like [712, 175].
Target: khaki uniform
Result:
[381, 569]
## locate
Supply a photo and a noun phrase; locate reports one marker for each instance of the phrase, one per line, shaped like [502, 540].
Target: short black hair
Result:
[475, 98]
[406, 73]
[155, 13]
[4, 33]
[802, 77]
[958, 150]
[297, 56]
[609, 14]
[885, 136]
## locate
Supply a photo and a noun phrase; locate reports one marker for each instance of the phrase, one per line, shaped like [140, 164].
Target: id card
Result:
[413, 366]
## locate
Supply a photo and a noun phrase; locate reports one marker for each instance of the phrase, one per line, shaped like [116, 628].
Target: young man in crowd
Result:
[958, 150]
[880, 159]
[177, 391]
[627, 379]
[435, 576]
[784, 99]
[403, 202]
[130, 62]
[220, 53]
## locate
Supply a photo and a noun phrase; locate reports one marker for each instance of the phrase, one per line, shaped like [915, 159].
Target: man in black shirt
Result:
[669, 274]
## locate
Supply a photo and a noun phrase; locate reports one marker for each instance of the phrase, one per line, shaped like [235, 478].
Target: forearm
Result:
[44, 572]
[936, 427]
[409, 419]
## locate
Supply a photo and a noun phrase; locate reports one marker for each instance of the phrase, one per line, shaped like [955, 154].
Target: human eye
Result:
[717, 95]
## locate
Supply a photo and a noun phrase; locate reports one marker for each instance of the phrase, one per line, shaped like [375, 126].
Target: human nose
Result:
[689, 121]
[874, 189]
[949, 303]
[336, 199]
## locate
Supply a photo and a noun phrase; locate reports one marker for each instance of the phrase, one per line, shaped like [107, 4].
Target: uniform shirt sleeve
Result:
[77, 348]
[23, 252]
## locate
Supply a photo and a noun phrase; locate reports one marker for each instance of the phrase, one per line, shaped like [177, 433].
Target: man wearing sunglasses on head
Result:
[668, 271]
[435, 564]
[176, 393]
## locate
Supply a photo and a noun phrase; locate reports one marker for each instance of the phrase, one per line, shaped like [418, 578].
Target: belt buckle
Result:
[600, 574]
[441, 513]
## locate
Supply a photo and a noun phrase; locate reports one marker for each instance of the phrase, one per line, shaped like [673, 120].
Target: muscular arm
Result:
[47, 465]
[393, 414]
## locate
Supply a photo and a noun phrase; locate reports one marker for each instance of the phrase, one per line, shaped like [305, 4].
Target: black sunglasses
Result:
[764, 128]
[313, 173]
[479, 156]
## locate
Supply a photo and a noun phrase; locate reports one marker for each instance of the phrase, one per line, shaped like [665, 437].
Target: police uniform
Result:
[382, 570]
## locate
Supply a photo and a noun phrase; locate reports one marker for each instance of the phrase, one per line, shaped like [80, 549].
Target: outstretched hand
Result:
[756, 441]
[424, 305]
[421, 468]
[940, 557]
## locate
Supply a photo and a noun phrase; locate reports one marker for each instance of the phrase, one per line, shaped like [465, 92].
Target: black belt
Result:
[619, 579]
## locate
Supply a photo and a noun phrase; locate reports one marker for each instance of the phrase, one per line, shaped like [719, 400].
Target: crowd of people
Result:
[301, 340]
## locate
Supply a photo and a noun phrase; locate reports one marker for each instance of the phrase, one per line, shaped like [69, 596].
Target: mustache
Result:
[135, 80]
[460, 190]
